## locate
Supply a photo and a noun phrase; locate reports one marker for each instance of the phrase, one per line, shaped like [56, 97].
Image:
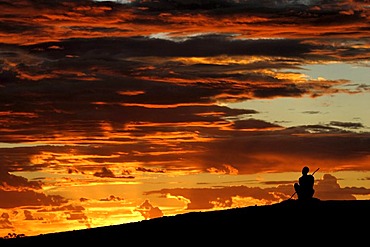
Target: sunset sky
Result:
[122, 111]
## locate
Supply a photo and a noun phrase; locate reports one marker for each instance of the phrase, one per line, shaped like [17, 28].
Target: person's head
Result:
[305, 170]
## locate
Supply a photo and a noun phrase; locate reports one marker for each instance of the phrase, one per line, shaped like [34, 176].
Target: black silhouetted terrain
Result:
[282, 223]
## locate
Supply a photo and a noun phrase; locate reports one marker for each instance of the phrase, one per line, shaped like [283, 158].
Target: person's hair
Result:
[305, 170]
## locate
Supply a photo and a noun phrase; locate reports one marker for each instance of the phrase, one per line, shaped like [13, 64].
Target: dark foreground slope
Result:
[331, 221]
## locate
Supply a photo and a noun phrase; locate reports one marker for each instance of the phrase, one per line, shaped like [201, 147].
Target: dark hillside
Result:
[317, 220]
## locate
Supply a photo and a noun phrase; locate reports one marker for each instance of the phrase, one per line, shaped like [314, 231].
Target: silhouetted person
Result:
[304, 187]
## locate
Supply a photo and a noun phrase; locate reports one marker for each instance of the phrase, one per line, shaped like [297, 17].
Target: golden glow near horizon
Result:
[122, 111]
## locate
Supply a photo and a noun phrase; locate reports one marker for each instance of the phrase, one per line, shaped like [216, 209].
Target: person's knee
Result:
[296, 186]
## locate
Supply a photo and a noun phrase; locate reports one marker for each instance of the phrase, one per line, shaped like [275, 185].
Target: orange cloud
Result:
[148, 211]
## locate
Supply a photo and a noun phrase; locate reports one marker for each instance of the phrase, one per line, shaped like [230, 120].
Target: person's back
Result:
[304, 188]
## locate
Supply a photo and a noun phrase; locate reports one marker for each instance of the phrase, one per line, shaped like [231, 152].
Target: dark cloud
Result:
[65, 207]
[329, 189]
[112, 198]
[252, 5]
[29, 216]
[285, 90]
[140, 18]
[74, 212]
[148, 211]
[348, 125]
[106, 173]
[16, 191]
[198, 46]
[10, 181]
[188, 5]
[142, 169]
[253, 124]
[311, 112]
[12, 199]
[13, 28]
[5, 223]
[49, 94]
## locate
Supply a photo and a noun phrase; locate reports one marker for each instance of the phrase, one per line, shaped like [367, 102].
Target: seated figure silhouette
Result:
[304, 187]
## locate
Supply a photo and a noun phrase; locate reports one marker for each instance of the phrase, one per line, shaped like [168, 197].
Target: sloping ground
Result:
[284, 223]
